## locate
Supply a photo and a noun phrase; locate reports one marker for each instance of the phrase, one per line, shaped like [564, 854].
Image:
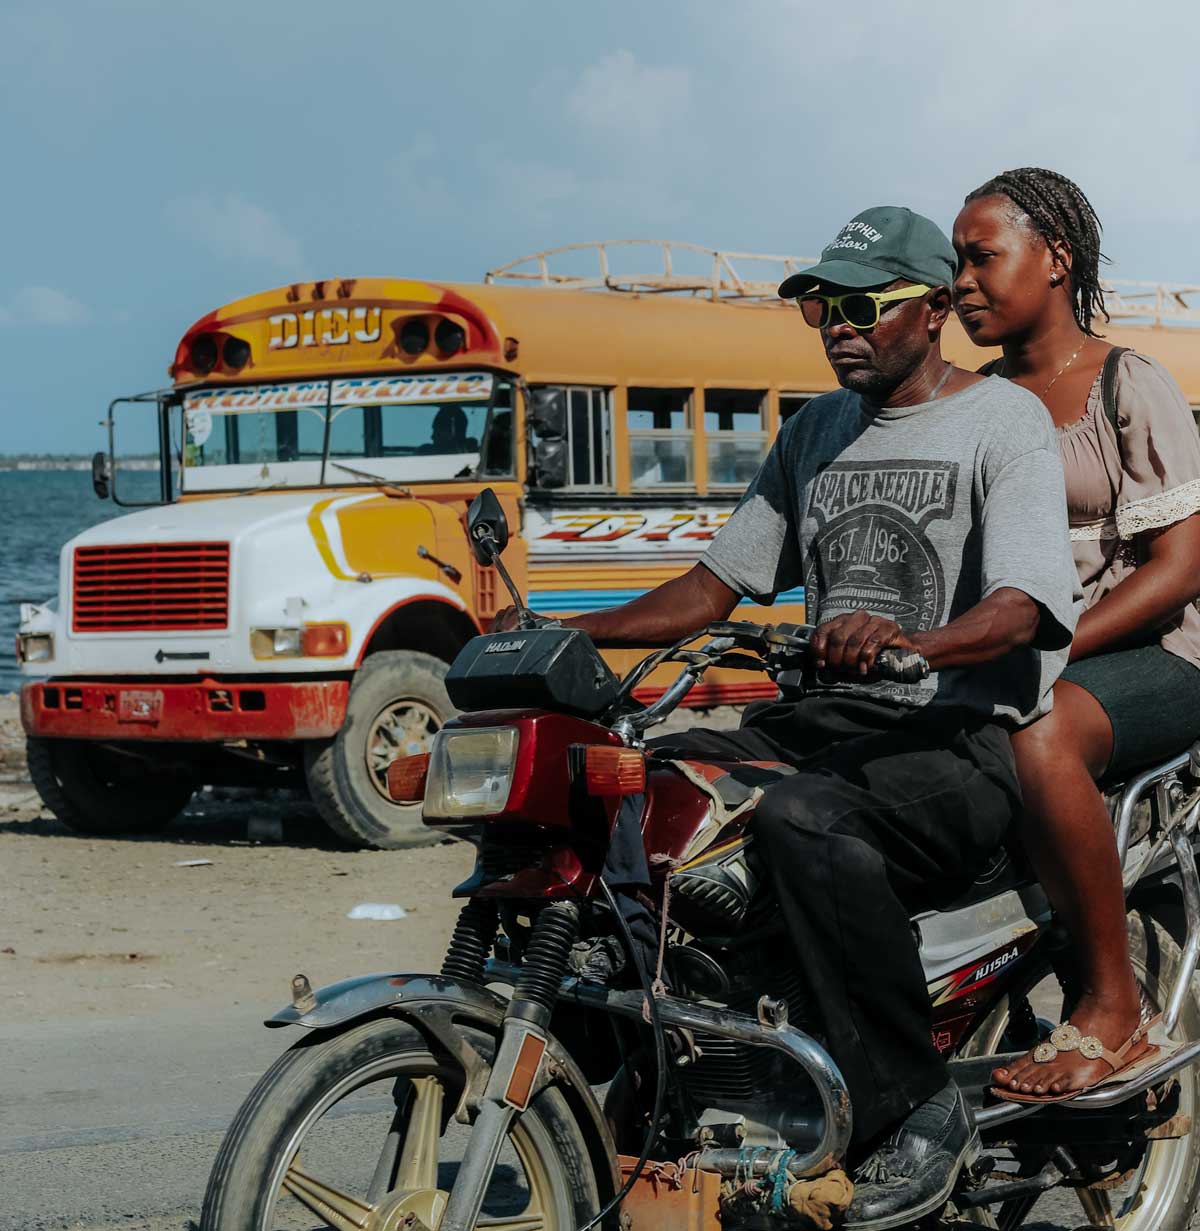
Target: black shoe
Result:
[913, 1172]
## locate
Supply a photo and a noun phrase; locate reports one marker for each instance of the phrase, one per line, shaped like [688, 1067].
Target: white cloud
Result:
[236, 229]
[420, 184]
[622, 98]
[614, 145]
[43, 305]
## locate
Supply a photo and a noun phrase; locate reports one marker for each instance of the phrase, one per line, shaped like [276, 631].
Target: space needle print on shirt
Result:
[868, 548]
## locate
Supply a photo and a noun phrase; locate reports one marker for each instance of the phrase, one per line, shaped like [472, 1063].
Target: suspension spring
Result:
[545, 961]
[474, 934]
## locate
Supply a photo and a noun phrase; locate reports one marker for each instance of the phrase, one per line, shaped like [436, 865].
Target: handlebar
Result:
[779, 647]
[891, 663]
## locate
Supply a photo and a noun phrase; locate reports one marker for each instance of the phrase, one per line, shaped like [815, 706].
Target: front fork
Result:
[523, 1040]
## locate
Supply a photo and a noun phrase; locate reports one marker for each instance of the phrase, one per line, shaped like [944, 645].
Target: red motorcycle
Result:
[547, 1080]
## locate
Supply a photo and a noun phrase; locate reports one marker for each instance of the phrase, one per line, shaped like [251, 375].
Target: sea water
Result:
[39, 511]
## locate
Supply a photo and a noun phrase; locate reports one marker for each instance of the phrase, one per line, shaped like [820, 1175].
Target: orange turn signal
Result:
[614, 771]
[324, 640]
[406, 778]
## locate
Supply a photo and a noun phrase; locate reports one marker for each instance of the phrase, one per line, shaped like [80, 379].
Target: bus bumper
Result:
[198, 710]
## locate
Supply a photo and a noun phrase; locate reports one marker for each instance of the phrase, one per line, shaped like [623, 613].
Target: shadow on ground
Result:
[224, 816]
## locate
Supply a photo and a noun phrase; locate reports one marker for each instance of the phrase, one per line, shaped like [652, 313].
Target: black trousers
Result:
[892, 811]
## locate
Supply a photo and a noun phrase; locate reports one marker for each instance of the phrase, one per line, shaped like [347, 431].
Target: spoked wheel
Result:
[1148, 1185]
[397, 704]
[356, 1132]
[404, 728]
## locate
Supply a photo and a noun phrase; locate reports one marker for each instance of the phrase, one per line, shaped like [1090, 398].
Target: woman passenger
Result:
[1028, 244]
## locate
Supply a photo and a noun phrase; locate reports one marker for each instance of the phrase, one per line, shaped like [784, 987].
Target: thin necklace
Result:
[1065, 366]
[945, 377]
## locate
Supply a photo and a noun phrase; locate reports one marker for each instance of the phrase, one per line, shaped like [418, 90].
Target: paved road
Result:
[114, 1123]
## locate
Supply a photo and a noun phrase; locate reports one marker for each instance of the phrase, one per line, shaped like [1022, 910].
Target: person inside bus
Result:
[1028, 244]
[917, 488]
[449, 432]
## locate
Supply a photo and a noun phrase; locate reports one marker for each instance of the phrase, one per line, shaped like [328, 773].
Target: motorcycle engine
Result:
[733, 953]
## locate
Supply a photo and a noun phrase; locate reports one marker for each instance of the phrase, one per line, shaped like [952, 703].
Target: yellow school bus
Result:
[287, 610]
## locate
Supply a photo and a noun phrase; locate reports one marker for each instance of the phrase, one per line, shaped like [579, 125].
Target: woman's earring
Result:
[1055, 280]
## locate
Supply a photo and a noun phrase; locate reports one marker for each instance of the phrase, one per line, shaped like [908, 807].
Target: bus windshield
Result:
[402, 429]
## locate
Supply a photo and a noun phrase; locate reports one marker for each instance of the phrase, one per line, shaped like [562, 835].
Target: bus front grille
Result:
[147, 587]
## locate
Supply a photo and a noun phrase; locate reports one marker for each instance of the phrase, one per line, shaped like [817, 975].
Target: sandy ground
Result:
[98, 926]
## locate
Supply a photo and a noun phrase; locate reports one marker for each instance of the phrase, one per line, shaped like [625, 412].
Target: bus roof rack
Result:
[686, 269]
[690, 269]
[1159, 303]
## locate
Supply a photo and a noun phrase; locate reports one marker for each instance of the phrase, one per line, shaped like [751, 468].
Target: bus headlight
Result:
[286, 642]
[308, 641]
[470, 772]
[35, 647]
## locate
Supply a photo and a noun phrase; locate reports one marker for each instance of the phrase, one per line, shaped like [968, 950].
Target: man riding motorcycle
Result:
[922, 508]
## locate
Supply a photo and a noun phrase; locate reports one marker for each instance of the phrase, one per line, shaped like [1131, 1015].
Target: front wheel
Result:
[96, 791]
[397, 705]
[355, 1130]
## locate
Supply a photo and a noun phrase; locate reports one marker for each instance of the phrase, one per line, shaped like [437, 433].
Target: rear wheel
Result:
[97, 791]
[1152, 1185]
[397, 704]
[356, 1131]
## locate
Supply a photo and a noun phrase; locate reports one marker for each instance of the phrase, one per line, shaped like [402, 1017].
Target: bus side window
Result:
[660, 437]
[789, 403]
[574, 449]
[735, 431]
[498, 460]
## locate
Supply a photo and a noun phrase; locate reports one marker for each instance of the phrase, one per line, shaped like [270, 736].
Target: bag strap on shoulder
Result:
[1108, 386]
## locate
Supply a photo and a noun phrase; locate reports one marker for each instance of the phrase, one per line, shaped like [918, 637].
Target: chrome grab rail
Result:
[1131, 796]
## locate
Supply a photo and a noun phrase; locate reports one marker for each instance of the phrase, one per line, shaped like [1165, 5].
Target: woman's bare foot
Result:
[1113, 1022]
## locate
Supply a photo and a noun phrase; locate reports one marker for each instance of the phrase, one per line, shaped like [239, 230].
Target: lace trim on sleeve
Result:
[1101, 528]
[1162, 509]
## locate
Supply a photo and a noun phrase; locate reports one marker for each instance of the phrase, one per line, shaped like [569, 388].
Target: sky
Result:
[162, 159]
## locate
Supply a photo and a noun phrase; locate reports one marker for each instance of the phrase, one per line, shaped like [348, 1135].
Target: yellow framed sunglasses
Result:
[859, 309]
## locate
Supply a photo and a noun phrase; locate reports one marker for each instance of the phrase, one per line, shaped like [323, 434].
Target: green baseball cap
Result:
[878, 246]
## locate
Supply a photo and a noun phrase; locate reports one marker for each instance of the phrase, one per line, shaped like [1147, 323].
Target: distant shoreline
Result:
[73, 463]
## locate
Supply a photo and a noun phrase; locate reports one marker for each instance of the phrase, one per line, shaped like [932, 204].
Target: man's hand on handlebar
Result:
[850, 643]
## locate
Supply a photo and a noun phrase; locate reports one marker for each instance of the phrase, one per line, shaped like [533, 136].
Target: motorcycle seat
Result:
[1114, 783]
[1007, 870]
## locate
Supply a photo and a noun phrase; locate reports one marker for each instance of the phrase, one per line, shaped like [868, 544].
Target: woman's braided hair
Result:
[1058, 210]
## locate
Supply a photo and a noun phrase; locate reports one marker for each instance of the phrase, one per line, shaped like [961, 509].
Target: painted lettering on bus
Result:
[325, 327]
[612, 527]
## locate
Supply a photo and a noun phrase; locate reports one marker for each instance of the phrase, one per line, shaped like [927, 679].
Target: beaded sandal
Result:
[1066, 1037]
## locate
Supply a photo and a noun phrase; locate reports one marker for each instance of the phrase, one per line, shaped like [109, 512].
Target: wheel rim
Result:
[1142, 1202]
[403, 728]
[404, 1178]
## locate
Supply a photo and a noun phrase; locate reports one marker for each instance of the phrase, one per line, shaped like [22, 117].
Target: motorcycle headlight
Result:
[470, 772]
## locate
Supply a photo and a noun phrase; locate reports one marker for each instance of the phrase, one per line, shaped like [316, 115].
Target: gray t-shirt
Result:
[917, 514]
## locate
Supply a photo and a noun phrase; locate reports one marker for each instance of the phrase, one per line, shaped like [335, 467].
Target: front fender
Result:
[432, 1004]
[364, 995]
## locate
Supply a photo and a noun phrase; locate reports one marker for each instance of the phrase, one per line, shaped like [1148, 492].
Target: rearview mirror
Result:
[548, 412]
[101, 474]
[487, 527]
[548, 424]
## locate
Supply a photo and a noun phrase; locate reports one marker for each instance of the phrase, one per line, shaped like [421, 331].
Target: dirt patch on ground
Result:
[117, 926]
[12, 741]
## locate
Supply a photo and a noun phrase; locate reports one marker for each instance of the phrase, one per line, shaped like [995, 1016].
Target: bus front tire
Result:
[95, 791]
[397, 703]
